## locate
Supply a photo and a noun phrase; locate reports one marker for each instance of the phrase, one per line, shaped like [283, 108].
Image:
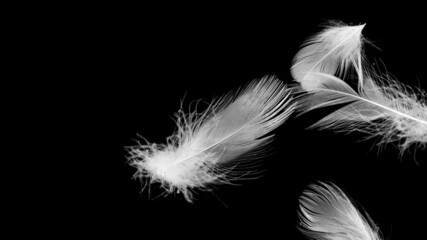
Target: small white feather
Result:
[381, 106]
[206, 145]
[331, 51]
[326, 213]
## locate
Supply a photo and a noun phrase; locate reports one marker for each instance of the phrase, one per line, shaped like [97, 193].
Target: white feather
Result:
[381, 106]
[206, 145]
[326, 213]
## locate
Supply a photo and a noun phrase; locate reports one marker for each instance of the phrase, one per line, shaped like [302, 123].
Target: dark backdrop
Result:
[124, 71]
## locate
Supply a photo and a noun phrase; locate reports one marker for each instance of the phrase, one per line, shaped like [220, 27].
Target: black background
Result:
[113, 72]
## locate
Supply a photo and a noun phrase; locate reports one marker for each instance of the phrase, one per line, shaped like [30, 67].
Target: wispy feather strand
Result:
[326, 213]
[381, 106]
[213, 146]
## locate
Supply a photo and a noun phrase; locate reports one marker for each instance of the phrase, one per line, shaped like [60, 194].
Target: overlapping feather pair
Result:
[234, 129]
[378, 105]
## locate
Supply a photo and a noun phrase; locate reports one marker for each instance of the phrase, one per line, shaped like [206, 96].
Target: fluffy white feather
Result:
[380, 106]
[326, 213]
[207, 145]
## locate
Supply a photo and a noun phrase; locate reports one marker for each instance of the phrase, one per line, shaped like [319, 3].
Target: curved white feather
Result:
[326, 213]
[380, 106]
[331, 51]
[206, 144]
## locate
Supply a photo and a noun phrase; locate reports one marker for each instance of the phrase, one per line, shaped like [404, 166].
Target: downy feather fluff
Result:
[380, 106]
[326, 213]
[207, 145]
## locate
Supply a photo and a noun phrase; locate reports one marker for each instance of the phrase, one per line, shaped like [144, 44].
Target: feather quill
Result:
[209, 147]
[380, 106]
[326, 213]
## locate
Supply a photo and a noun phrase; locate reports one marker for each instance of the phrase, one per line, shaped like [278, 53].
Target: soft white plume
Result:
[207, 145]
[326, 213]
[380, 106]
